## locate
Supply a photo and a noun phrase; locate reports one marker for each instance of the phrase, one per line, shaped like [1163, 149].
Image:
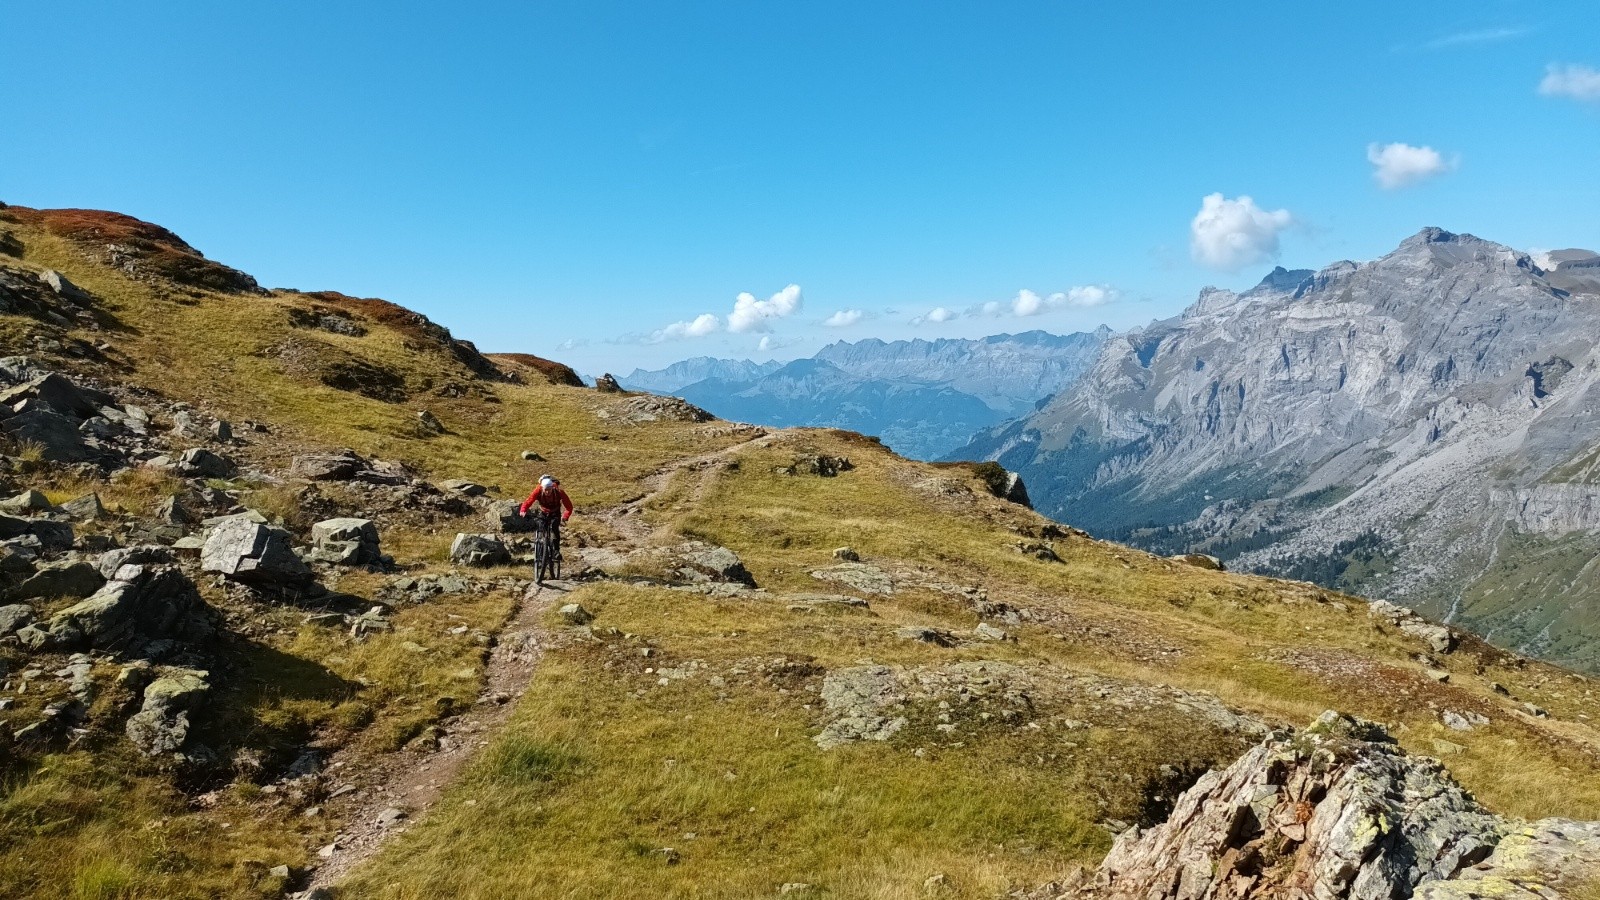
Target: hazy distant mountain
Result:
[1009, 372]
[1425, 426]
[924, 398]
[919, 421]
[681, 374]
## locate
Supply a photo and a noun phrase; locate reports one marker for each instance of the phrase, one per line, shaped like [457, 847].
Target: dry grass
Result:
[602, 766]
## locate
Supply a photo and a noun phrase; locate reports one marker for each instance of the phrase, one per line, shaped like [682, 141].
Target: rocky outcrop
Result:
[143, 605]
[1338, 811]
[251, 553]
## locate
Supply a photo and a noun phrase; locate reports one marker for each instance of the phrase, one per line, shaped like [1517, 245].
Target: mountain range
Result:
[1423, 426]
[923, 398]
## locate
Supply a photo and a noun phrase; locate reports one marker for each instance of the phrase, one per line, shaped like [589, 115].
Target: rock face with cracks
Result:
[252, 553]
[1336, 811]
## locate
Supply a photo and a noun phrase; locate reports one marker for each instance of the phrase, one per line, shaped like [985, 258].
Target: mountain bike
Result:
[546, 548]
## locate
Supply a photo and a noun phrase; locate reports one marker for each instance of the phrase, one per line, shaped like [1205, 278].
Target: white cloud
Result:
[1398, 165]
[1541, 258]
[765, 344]
[844, 318]
[935, 316]
[1028, 303]
[1571, 80]
[750, 314]
[1231, 234]
[992, 308]
[699, 326]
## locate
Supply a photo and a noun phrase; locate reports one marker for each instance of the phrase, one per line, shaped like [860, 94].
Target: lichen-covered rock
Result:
[162, 723]
[479, 551]
[1545, 860]
[143, 604]
[345, 541]
[252, 553]
[717, 563]
[112, 561]
[862, 577]
[1336, 811]
[66, 578]
[863, 701]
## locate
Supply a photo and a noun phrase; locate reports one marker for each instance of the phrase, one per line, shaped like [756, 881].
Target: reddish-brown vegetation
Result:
[554, 372]
[137, 247]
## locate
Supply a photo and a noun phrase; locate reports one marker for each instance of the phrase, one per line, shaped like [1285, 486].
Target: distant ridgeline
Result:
[1423, 427]
[923, 398]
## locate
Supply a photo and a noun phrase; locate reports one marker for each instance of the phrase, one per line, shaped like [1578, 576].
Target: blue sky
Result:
[589, 180]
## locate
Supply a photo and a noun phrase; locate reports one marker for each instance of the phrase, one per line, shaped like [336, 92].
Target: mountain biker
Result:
[550, 499]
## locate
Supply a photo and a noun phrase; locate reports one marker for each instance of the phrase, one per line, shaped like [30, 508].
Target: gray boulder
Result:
[464, 487]
[143, 604]
[162, 723]
[503, 518]
[112, 561]
[14, 616]
[52, 536]
[347, 541]
[252, 553]
[84, 509]
[719, 564]
[29, 501]
[342, 466]
[479, 550]
[171, 511]
[59, 394]
[575, 614]
[199, 462]
[57, 435]
[66, 578]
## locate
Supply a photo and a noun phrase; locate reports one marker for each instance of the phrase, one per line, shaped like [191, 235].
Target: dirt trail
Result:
[411, 783]
[369, 790]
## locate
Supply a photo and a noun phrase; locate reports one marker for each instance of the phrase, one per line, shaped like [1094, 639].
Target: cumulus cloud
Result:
[843, 318]
[935, 316]
[1231, 234]
[699, 326]
[1571, 80]
[1027, 303]
[750, 314]
[1397, 165]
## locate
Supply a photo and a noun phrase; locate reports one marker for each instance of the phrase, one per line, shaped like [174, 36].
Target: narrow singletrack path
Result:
[368, 791]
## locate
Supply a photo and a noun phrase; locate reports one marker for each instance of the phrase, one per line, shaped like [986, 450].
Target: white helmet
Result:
[545, 481]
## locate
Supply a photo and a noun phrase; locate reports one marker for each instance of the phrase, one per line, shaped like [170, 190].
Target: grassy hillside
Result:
[669, 748]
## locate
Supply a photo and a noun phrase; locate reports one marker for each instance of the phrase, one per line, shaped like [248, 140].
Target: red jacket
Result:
[548, 501]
